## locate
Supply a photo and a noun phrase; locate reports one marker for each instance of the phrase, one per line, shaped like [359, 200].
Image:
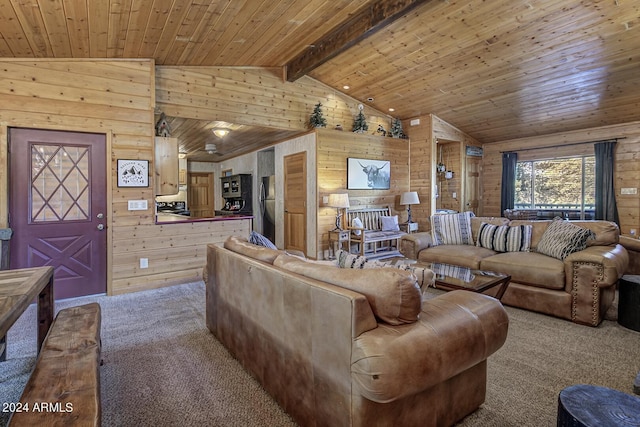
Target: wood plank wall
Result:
[115, 97]
[627, 168]
[254, 96]
[333, 149]
[423, 134]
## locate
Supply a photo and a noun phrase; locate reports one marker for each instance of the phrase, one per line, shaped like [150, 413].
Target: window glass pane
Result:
[556, 184]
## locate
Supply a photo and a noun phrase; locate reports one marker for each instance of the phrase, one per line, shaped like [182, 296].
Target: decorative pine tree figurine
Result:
[360, 123]
[396, 128]
[317, 120]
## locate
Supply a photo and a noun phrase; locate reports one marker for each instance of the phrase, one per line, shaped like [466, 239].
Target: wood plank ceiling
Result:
[497, 69]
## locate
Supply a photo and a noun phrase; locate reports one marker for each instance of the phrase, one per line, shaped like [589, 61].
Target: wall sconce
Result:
[220, 133]
[409, 198]
[338, 201]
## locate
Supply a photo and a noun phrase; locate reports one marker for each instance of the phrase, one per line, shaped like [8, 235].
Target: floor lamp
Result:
[409, 198]
[339, 201]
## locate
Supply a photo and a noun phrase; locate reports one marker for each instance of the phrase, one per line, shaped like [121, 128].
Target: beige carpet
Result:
[162, 367]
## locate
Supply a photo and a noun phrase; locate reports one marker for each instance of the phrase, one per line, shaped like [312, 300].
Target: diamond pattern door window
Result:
[60, 188]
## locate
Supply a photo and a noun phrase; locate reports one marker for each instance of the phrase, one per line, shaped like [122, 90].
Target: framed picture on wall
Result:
[133, 173]
[365, 174]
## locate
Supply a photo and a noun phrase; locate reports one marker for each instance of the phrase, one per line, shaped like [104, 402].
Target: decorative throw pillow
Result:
[390, 223]
[357, 222]
[562, 238]
[346, 260]
[504, 238]
[452, 229]
[260, 240]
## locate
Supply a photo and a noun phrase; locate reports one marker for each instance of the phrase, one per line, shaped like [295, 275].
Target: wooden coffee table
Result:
[450, 277]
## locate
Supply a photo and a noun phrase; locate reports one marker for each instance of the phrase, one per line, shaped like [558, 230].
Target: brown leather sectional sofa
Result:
[345, 347]
[581, 288]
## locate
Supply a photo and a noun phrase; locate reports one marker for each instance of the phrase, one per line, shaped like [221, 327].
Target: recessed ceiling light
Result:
[392, 109]
[346, 87]
[370, 99]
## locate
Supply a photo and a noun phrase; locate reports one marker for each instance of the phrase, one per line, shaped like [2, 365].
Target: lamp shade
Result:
[339, 200]
[409, 198]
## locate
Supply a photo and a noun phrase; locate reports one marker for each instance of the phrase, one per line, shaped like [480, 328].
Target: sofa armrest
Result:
[613, 260]
[591, 275]
[456, 331]
[412, 244]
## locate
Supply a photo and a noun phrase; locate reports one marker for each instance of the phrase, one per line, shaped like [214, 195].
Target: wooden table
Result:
[18, 289]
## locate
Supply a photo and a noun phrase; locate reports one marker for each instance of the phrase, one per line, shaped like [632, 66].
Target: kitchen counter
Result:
[164, 218]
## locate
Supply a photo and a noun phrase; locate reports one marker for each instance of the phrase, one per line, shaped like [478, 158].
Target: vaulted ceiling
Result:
[497, 69]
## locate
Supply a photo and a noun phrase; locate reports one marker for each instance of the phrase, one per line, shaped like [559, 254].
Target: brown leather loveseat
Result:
[345, 347]
[580, 288]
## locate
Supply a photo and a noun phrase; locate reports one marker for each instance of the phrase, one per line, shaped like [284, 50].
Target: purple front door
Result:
[57, 207]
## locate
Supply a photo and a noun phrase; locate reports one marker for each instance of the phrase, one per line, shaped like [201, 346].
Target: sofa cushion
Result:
[528, 268]
[463, 255]
[606, 232]
[452, 229]
[504, 238]
[538, 229]
[242, 246]
[393, 294]
[563, 238]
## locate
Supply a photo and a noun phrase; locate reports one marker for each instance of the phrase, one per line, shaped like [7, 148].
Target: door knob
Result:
[100, 227]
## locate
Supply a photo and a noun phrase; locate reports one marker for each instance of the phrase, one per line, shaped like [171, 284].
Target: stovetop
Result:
[178, 207]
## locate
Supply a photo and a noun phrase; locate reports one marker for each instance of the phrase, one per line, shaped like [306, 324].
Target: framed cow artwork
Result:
[366, 174]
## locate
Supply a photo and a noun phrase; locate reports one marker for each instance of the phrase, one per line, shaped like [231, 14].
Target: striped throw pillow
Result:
[452, 229]
[562, 238]
[260, 240]
[504, 238]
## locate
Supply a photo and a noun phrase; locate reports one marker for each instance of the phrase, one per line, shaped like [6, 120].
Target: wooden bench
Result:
[64, 387]
[371, 233]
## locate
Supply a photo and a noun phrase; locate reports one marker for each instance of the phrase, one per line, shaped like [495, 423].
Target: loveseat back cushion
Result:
[537, 230]
[528, 268]
[393, 294]
[242, 246]
[462, 255]
[606, 232]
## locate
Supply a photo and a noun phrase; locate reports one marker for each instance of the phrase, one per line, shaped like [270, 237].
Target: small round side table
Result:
[585, 405]
[629, 302]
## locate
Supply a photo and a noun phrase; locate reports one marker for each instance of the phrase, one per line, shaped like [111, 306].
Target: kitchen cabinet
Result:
[166, 166]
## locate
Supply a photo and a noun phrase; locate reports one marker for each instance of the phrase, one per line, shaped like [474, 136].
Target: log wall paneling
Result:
[333, 149]
[423, 133]
[114, 97]
[627, 168]
[166, 166]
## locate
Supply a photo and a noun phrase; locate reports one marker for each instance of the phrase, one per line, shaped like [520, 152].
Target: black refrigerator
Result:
[268, 206]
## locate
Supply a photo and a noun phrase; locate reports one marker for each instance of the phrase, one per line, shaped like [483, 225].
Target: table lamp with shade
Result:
[339, 201]
[409, 198]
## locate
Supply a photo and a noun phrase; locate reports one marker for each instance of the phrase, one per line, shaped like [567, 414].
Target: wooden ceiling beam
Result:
[363, 24]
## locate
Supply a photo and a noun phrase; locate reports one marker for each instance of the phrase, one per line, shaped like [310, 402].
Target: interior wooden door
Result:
[472, 184]
[295, 202]
[58, 207]
[200, 190]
